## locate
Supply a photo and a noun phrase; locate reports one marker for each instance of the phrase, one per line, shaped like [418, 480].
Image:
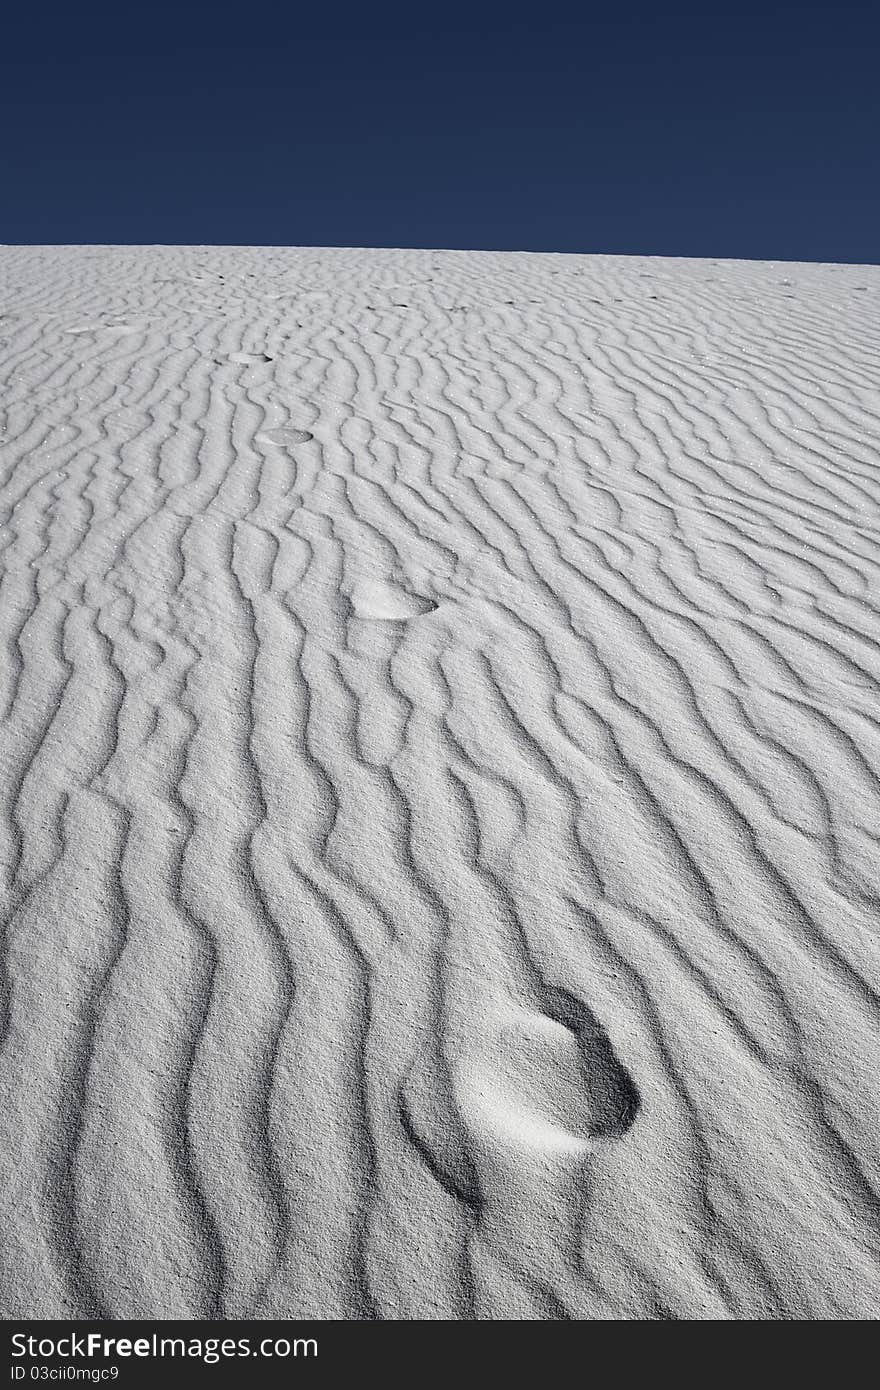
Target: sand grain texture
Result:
[439, 785]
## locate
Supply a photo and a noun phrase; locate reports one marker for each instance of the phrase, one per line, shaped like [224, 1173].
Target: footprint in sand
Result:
[507, 1130]
[287, 435]
[548, 1081]
[379, 601]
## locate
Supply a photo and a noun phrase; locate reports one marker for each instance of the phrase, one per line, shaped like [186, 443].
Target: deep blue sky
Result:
[746, 130]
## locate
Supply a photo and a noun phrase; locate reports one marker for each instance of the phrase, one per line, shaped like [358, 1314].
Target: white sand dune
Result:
[440, 785]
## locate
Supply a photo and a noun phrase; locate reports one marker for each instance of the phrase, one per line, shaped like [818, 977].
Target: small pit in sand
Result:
[379, 601]
[287, 435]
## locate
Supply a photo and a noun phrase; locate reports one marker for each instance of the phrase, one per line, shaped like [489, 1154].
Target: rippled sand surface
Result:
[439, 800]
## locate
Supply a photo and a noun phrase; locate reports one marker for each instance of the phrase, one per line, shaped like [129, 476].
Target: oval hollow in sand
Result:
[547, 1081]
[287, 435]
[378, 601]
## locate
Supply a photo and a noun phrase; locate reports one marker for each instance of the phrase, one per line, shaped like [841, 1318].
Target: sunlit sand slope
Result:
[439, 785]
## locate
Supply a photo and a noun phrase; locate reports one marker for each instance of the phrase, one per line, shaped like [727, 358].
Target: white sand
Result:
[439, 785]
